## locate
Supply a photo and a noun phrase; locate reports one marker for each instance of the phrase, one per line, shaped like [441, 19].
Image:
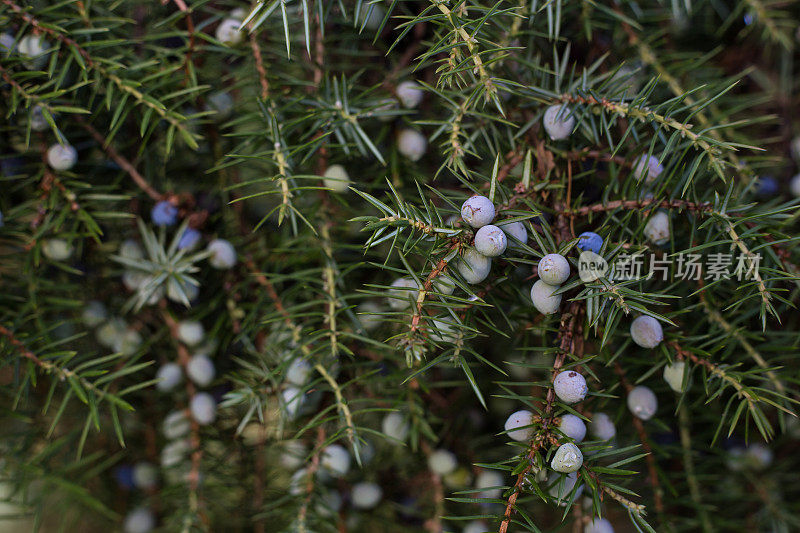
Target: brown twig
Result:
[121, 161]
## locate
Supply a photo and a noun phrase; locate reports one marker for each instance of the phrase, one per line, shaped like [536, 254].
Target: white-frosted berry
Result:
[223, 254]
[371, 15]
[491, 483]
[516, 234]
[642, 402]
[410, 94]
[558, 122]
[369, 315]
[177, 290]
[129, 342]
[38, 122]
[444, 330]
[442, 462]
[108, 333]
[335, 459]
[203, 408]
[175, 425]
[200, 369]
[602, 427]
[403, 293]
[518, 425]
[646, 331]
[175, 452]
[57, 249]
[573, 427]
[134, 279]
[553, 269]
[145, 475]
[562, 486]
[568, 458]
[570, 386]
[543, 298]
[366, 495]
[412, 144]
[794, 186]
[444, 284]
[130, 249]
[221, 103]
[191, 332]
[294, 454]
[673, 375]
[62, 156]
[228, 32]
[490, 241]
[476, 526]
[292, 400]
[169, 376]
[394, 426]
[598, 525]
[94, 314]
[474, 266]
[759, 456]
[298, 372]
[139, 520]
[647, 168]
[36, 48]
[657, 228]
[329, 503]
[336, 178]
[7, 44]
[477, 211]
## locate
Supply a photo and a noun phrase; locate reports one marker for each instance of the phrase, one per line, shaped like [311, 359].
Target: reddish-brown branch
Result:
[126, 165]
[259, 61]
[570, 337]
[641, 204]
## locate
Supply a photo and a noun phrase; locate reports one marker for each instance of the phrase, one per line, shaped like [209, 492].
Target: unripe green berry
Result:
[553, 269]
[570, 387]
[543, 298]
[490, 241]
[477, 211]
[337, 179]
[94, 314]
[473, 266]
[145, 475]
[444, 284]
[657, 228]
[57, 249]
[646, 331]
[298, 372]
[673, 375]
[442, 462]
[518, 425]
[568, 458]
[228, 32]
[642, 402]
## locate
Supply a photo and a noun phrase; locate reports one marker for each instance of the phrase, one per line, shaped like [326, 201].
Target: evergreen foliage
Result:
[352, 369]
